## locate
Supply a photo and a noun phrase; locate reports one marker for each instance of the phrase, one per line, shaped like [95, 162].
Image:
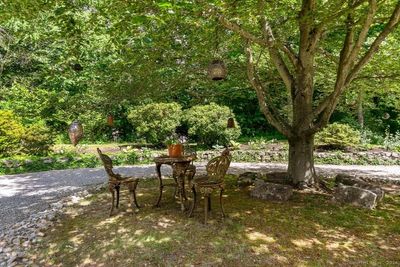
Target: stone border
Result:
[273, 156]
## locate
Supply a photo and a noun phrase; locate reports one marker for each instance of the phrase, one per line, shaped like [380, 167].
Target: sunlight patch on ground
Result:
[165, 223]
[257, 236]
[306, 243]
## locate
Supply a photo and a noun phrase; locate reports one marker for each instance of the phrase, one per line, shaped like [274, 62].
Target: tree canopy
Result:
[304, 63]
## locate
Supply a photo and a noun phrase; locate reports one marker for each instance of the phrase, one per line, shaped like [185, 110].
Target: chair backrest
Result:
[108, 165]
[218, 166]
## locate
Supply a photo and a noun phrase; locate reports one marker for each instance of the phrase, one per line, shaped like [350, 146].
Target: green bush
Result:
[392, 141]
[207, 124]
[11, 131]
[155, 121]
[338, 135]
[37, 139]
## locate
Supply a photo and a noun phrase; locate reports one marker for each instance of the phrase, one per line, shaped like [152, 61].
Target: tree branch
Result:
[241, 31]
[342, 68]
[390, 26]
[290, 54]
[276, 57]
[364, 31]
[264, 99]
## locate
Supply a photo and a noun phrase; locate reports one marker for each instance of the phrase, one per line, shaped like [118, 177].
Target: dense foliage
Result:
[338, 135]
[37, 139]
[11, 131]
[208, 124]
[154, 122]
[67, 60]
[17, 138]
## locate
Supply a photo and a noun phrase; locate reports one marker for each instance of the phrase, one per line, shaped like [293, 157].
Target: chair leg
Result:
[220, 202]
[183, 189]
[194, 201]
[117, 189]
[134, 196]
[111, 188]
[206, 198]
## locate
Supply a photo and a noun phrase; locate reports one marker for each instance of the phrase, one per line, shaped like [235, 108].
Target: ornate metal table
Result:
[181, 167]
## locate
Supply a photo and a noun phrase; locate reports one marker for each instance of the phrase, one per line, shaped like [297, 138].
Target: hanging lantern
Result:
[77, 67]
[110, 120]
[386, 116]
[231, 123]
[217, 70]
[75, 132]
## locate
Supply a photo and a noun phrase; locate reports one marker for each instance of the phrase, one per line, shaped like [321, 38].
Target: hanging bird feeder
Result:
[231, 123]
[110, 120]
[386, 116]
[77, 67]
[217, 70]
[75, 132]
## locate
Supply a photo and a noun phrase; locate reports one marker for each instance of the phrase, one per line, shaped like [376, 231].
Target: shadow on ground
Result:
[307, 230]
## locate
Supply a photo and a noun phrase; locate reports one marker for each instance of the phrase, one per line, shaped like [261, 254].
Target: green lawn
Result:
[308, 230]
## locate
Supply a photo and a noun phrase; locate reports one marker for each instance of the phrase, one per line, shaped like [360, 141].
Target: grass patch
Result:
[307, 230]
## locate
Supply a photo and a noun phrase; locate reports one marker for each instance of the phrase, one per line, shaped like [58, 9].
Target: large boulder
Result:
[355, 196]
[271, 191]
[247, 178]
[357, 182]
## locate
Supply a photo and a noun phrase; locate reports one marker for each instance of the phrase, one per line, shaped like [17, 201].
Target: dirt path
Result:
[24, 194]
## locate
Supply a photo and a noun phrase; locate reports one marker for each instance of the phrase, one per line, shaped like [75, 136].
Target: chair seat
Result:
[124, 179]
[205, 181]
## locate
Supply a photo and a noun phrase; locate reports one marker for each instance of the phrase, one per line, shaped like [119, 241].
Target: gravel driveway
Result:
[24, 194]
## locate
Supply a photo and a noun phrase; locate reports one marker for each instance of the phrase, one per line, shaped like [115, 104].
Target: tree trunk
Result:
[301, 161]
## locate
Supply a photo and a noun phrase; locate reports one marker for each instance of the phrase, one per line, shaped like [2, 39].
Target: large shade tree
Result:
[317, 48]
[298, 36]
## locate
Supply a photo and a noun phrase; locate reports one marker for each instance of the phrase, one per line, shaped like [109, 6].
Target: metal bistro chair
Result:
[115, 181]
[216, 170]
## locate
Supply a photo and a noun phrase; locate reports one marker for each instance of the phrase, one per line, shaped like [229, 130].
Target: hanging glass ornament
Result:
[75, 132]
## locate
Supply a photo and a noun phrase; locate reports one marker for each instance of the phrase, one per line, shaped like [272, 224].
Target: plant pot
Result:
[175, 150]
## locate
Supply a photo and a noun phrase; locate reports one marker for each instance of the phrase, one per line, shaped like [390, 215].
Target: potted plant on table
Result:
[175, 145]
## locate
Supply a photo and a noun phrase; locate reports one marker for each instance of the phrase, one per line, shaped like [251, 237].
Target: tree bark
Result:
[301, 161]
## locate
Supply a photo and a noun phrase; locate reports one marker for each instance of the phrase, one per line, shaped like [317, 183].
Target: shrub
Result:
[37, 139]
[11, 131]
[155, 121]
[392, 141]
[338, 135]
[208, 124]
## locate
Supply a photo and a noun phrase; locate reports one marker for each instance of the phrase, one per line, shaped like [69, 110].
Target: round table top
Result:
[168, 159]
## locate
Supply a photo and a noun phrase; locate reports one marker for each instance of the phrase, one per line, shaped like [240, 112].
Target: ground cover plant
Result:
[307, 230]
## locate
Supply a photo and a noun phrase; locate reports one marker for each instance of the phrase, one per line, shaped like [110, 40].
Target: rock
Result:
[47, 160]
[28, 161]
[10, 163]
[355, 196]
[247, 178]
[41, 234]
[63, 160]
[57, 205]
[277, 178]
[271, 191]
[11, 259]
[357, 182]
